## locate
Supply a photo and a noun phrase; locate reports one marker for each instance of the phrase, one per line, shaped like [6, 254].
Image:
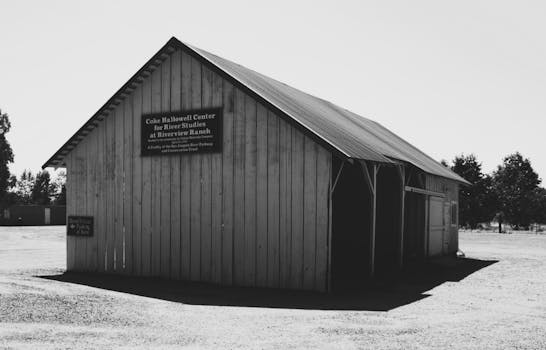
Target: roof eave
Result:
[90, 122]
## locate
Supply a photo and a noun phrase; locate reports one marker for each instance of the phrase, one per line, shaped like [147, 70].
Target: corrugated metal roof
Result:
[345, 132]
[352, 134]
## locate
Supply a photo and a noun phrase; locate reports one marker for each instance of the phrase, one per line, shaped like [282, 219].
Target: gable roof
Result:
[340, 130]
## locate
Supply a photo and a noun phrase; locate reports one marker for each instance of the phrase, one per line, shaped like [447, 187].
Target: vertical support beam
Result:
[374, 215]
[367, 177]
[332, 186]
[427, 233]
[329, 264]
[371, 181]
[402, 171]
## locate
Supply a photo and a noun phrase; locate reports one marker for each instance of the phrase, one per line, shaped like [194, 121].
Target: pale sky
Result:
[451, 77]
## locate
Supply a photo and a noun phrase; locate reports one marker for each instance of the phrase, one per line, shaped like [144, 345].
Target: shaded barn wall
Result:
[431, 221]
[255, 214]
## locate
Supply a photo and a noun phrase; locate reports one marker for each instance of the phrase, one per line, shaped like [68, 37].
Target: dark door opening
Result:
[350, 228]
[387, 233]
[414, 227]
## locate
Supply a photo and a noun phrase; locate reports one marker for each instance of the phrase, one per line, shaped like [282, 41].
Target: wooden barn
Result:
[200, 169]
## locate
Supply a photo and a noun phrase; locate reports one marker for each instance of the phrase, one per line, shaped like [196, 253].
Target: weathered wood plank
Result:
[261, 190]
[119, 264]
[110, 169]
[239, 188]
[250, 191]
[71, 210]
[110, 215]
[176, 87]
[216, 188]
[128, 185]
[136, 197]
[324, 172]
[92, 208]
[309, 213]
[87, 198]
[106, 190]
[185, 178]
[100, 220]
[227, 183]
[81, 187]
[296, 262]
[75, 209]
[285, 203]
[206, 186]
[196, 180]
[272, 200]
[146, 247]
[165, 179]
[156, 183]
[206, 207]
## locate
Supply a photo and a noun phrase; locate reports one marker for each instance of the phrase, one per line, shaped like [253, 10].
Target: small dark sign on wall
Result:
[80, 226]
[195, 131]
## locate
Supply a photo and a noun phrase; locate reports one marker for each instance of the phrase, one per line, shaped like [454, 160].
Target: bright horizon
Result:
[450, 78]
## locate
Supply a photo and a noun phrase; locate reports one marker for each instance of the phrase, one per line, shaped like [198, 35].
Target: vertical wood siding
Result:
[175, 189]
[255, 214]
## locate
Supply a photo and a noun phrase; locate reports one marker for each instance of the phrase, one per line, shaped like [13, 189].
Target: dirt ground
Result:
[493, 299]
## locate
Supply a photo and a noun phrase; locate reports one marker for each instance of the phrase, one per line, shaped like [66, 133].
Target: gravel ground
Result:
[495, 299]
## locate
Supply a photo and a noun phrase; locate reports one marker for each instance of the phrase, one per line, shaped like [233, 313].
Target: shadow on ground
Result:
[383, 294]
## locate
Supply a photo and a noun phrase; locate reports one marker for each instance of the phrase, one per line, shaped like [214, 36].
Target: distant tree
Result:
[12, 182]
[515, 184]
[476, 202]
[60, 189]
[61, 196]
[6, 155]
[540, 206]
[11, 197]
[24, 186]
[42, 190]
[488, 198]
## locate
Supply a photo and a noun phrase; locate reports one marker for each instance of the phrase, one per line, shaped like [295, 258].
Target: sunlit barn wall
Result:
[255, 214]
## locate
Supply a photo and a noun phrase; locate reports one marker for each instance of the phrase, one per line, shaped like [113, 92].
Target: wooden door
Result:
[447, 231]
[47, 216]
[435, 226]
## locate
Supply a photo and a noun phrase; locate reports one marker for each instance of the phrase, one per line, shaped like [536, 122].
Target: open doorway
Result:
[351, 206]
[414, 227]
[387, 233]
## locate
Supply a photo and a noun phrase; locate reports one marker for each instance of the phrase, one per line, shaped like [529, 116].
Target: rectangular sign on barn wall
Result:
[196, 131]
[79, 226]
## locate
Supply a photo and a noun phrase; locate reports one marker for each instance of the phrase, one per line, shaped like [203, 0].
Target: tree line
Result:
[35, 189]
[27, 188]
[510, 194]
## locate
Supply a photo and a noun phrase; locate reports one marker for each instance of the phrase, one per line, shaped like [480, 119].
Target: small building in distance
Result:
[33, 215]
[200, 169]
